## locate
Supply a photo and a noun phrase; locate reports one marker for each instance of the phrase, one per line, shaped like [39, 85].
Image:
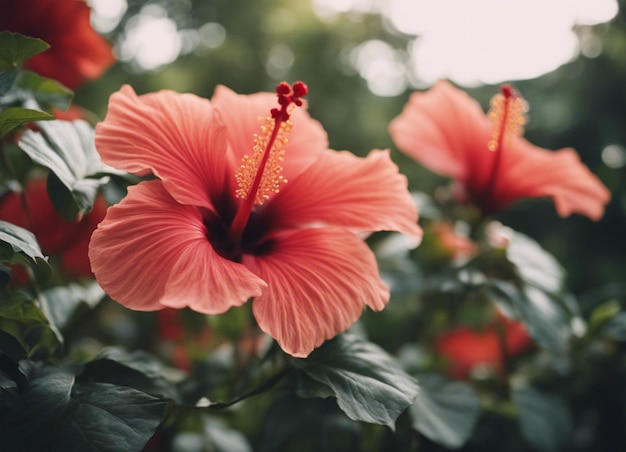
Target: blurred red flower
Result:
[220, 225]
[76, 51]
[466, 349]
[445, 130]
[57, 237]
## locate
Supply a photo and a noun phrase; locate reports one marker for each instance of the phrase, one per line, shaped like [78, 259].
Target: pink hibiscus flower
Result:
[69, 240]
[466, 349]
[221, 224]
[76, 51]
[445, 130]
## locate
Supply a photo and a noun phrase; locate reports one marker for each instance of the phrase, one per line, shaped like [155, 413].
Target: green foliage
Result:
[71, 414]
[369, 384]
[446, 412]
[16, 48]
[68, 150]
[14, 117]
[19, 246]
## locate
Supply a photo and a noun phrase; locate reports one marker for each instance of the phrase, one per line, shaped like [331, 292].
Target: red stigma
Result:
[507, 91]
[288, 95]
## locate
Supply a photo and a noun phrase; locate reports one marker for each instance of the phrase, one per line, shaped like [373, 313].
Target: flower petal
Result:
[528, 170]
[340, 189]
[244, 115]
[318, 282]
[446, 130]
[179, 137]
[151, 252]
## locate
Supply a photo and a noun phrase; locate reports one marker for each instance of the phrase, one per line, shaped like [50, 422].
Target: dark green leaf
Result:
[545, 420]
[293, 423]
[369, 384]
[15, 239]
[22, 318]
[534, 264]
[45, 91]
[70, 415]
[137, 370]
[68, 150]
[16, 48]
[446, 412]
[7, 78]
[14, 117]
[63, 304]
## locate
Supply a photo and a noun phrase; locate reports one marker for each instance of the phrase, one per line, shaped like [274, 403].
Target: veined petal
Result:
[341, 189]
[244, 115]
[179, 137]
[151, 252]
[446, 130]
[530, 171]
[318, 282]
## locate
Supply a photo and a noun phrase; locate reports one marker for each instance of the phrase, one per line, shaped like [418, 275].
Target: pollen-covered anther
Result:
[508, 114]
[272, 178]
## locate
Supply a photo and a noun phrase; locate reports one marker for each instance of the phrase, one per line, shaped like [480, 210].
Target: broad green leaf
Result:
[547, 322]
[68, 150]
[64, 303]
[535, 265]
[215, 436]
[23, 319]
[137, 370]
[14, 117]
[15, 239]
[16, 48]
[368, 383]
[7, 78]
[545, 419]
[68, 414]
[292, 423]
[445, 411]
[46, 92]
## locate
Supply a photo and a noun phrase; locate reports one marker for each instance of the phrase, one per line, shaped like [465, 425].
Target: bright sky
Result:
[471, 42]
[475, 42]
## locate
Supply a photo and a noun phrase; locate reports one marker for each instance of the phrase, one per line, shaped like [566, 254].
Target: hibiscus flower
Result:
[446, 131]
[57, 237]
[466, 349]
[76, 51]
[244, 207]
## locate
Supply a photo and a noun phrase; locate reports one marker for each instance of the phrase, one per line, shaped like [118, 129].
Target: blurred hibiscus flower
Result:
[466, 349]
[76, 51]
[221, 224]
[445, 130]
[57, 237]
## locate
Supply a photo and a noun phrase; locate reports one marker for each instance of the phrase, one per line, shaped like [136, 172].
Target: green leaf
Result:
[23, 319]
[545, 420]
[292, 423]
[15, 239]
[68, 150]
[534, 264]
[137, 370]
[57, 412]
[63, 304]
[45, 91]
[7, 79]
[14, 117]
[16, 48]
[368, 383]
[446, 412]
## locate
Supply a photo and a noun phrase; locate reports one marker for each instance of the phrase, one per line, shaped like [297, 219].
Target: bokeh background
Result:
[363, 58]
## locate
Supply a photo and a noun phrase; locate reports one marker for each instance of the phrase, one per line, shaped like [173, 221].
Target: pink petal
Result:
[151, 252]
[445, 130]
[530, 171]
[318, 282]
[340, 189]
[179, 137]
[244, 115]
